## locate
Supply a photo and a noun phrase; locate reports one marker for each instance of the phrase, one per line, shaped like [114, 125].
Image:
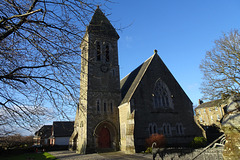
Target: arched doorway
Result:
[104, 139]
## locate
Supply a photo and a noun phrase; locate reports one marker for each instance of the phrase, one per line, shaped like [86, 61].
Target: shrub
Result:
[199, 142]
[149, 150]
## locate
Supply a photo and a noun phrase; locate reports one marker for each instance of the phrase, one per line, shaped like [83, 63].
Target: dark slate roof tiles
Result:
[213, 103]
[99, 24]
[63, 128]
[129, 83]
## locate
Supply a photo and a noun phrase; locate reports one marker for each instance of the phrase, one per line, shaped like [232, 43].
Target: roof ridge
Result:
[140, 78]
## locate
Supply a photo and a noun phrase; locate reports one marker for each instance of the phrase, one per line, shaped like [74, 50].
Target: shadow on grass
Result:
[29, 156]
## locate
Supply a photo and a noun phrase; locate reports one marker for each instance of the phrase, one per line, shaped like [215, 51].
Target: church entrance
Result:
[104, 138]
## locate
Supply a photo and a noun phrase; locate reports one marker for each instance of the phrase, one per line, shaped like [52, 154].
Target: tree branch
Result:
[19, 16]
[18, 25]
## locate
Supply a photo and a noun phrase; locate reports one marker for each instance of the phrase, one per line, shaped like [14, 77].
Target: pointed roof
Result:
[101, 25]
[129, 83]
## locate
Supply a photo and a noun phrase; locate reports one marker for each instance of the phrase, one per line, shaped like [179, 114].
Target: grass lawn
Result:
[29, 156]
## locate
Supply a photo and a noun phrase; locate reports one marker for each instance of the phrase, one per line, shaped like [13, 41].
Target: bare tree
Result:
[16, 141]
[221, 67]
[40, 58]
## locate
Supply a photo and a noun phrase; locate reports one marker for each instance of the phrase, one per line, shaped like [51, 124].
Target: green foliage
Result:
[149, 150]
[199, 142]
[35, 156]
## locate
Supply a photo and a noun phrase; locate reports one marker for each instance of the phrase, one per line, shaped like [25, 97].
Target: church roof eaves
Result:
[130, 83]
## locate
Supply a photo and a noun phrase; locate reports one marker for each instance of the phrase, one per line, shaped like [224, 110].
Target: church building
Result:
[116, 114]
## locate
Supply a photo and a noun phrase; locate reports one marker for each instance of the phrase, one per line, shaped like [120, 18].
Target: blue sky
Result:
[181, 30]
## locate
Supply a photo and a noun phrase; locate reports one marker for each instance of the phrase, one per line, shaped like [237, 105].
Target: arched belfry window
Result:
[107, 53]
[98, 46]
[161, 95]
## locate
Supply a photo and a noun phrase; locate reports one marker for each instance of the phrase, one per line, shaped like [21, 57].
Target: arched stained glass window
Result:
[161, 95]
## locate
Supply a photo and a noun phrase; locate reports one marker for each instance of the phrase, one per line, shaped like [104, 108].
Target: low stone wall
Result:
[187, 154]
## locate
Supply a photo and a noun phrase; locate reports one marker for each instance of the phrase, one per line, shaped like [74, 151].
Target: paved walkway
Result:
[68, 155]
[211, 154]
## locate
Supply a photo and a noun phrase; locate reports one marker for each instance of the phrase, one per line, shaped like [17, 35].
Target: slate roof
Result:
[99, 24]
[45, 131]
[129, 83]
[213, 103]
[63, 128]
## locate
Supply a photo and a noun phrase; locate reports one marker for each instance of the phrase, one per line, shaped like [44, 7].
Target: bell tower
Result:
[97, 121]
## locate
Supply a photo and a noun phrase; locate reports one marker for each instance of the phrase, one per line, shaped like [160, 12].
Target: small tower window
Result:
[111, 106]
[98, 52]
[107, 53]
[98, 105]
[105, 107]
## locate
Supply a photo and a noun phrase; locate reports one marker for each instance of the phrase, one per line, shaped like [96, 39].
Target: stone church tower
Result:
[97, 121]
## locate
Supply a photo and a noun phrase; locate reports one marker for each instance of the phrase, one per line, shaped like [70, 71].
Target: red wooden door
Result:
[104, 138]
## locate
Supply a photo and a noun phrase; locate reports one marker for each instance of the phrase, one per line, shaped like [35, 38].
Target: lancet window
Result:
[98, 106]
[152, 128]
[167, 129]
[98, 46]
[107, 53]
[179, 129]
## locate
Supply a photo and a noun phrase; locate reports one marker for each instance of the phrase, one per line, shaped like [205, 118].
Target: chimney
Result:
[200, 101]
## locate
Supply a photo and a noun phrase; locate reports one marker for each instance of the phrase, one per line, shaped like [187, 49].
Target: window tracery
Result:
[161, 95]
